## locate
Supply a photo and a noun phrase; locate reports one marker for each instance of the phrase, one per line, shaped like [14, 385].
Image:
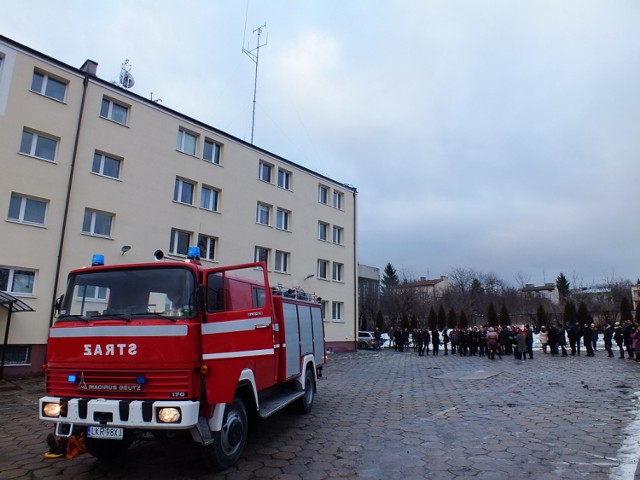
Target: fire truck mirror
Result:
[158, 255]
[58, 303]
[200, 298]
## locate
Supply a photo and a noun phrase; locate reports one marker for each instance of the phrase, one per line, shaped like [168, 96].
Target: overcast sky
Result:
[501, 136]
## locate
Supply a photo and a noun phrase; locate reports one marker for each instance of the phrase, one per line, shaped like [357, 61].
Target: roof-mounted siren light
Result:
[193, 255]
[158, 255]
[97, 260]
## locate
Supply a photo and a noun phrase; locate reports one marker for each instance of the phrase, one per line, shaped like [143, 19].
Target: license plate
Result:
[111, 433]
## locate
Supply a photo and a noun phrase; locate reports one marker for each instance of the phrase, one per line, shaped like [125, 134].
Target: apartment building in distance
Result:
[91, 167]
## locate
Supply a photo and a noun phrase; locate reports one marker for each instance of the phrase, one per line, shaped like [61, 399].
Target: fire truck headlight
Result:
[169, 415]
[51, 409]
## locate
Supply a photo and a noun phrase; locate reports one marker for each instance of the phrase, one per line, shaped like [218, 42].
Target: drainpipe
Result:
[89, 68]
[355, 273]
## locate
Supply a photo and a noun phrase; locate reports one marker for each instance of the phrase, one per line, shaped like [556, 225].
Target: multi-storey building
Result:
[91, 167]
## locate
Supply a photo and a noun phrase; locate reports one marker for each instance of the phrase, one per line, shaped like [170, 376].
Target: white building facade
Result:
[90, 167]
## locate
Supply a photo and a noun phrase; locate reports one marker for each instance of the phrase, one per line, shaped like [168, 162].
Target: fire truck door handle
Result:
[263, 325]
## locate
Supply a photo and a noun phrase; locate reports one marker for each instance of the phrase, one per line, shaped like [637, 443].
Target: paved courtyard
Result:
[390, 415]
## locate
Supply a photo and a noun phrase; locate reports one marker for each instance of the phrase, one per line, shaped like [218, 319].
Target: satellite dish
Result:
[126, 79]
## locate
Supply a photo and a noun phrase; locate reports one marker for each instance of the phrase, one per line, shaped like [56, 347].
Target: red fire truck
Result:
[160, 349]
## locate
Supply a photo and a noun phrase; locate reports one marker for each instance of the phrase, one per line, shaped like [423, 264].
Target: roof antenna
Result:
[126, 79]
[255, 56]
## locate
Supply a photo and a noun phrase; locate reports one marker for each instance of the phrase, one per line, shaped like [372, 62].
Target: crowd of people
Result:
[487, 341]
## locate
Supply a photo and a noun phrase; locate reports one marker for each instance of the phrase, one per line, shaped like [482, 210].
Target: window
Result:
[323, 269]
[97, 223]
[211, 152]
[207, 247]
[337, 235]
[92, 293]
[338, 269]
[336, 311]
[282, 261]
[282, 219]
[264, 172]
[262, 255]
[106, 165]
[337, 199]
[323, 194]
[16, 280]
[27, 209]
[284, 179]
[323, 231]
[114, 111]
[38, 145]
[183, 191]
[324, 306]
[15, 354]
[187, 142]
[262, 214]
[180, 241]
[209, 198]
[45, 85]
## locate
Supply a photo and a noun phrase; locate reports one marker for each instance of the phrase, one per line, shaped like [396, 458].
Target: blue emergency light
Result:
[193, 252]
[97, 260]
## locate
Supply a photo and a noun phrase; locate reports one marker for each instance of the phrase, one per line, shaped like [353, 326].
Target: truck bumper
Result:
[132, 414]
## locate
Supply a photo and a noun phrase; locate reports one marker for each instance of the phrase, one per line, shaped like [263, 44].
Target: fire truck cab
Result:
[149, 350]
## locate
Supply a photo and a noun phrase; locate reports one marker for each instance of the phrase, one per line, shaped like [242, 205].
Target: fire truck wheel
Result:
[108, 449]
[306, 401]
[228, 443]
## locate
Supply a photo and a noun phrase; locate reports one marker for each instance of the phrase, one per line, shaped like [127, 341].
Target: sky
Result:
[498, 136]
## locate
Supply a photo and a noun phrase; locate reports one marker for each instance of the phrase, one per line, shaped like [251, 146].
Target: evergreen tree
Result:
[492, 315]
[441, 323]
[541, 316]
[464, 323]
[582, 315]
[389, 278]
[505, 319]
[452, 320]
[625, 310]
[570, 313]
[563, 285]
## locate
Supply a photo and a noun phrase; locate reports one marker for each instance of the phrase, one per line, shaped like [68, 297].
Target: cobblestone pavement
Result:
[390, 415]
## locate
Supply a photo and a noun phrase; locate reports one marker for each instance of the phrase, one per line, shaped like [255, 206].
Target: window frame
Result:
[216, 151]
[110, 115]
[338, 199]
[33, 144]
[174, 242]
[178, 191]
[337, 235]
[24, 200]
[261, 209]
[284, 179]
[322, 271]
[323, 194]
[180, 145]
[323, 226]
[93, 220]
[282, 260]
[283, 216]
[211, 247]
[337, 311]
[337, 272]
[265, 167]
[257, 257]
[101, 168]
[11, 281]
[44, 85]
[213, 196]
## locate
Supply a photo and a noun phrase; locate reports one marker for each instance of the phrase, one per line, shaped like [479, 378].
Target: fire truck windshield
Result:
[167, 292]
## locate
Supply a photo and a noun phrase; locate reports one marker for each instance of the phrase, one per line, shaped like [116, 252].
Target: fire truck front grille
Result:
[165, 384]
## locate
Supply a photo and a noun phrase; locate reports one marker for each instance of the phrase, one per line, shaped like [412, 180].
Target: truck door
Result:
[238, 330]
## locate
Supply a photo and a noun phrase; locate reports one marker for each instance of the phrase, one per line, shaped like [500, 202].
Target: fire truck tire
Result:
[306, 401]
[228, 443]
[108, 449]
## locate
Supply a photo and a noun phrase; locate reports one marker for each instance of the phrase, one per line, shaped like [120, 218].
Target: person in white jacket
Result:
[544, 338]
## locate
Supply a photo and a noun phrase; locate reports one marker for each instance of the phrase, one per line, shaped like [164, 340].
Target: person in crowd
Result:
[594, 337]
[378, 337]
[482, 342]
[462, 343]
[445, 340]
[607, 335]
[587, 338]
[574, 338]
[493, 344]
[521, 345]
[427, 339]
[472, 341]
[453, 336]
[435, 341]
[627, 330]
[405, 338]
[562, 339]
[635, 335]
[528, 334]
[544, 338]
[505, 340]
[397, 340]
[552, 339]
[418, 341]
[618, 338]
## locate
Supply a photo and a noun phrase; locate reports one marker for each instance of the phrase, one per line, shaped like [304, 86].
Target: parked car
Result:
[366, 340]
